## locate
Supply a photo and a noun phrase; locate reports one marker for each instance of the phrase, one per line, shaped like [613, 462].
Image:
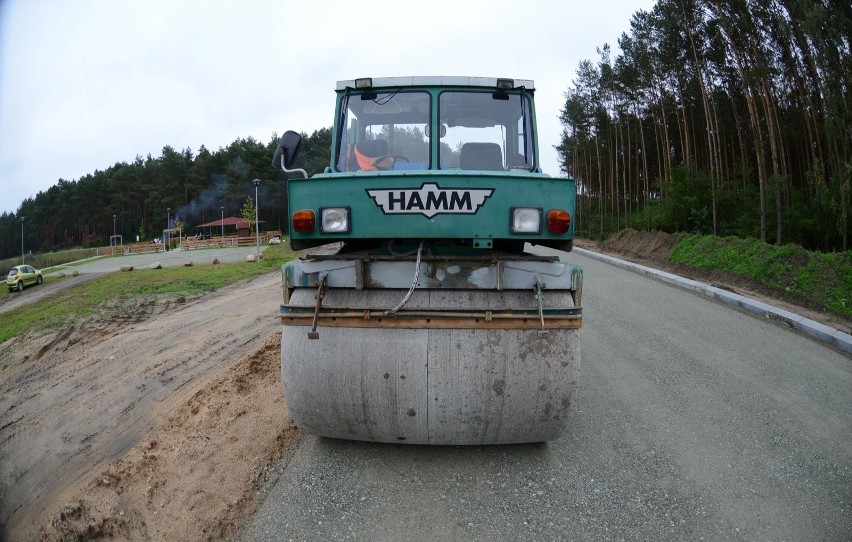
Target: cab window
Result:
[384, 131]
[485, 131]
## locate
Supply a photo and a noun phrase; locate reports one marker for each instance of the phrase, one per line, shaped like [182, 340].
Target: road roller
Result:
[420, 311]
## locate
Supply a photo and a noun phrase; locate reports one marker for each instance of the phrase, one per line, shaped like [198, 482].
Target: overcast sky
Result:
[85, 84]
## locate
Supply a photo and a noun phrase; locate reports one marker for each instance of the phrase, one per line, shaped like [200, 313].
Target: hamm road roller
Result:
[429, 323]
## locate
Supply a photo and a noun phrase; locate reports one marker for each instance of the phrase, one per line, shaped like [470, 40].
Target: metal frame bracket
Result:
[312, 334]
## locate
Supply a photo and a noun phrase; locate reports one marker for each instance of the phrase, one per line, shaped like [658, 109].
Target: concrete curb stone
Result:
[817, 330]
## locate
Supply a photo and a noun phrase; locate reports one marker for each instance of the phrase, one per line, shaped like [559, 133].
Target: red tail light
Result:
[558, 221]
[304, 221]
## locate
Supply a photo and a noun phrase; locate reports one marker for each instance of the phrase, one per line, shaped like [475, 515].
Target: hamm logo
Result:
[430, 200]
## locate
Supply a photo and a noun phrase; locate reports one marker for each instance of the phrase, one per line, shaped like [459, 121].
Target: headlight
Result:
[335, 220]
[526, 220]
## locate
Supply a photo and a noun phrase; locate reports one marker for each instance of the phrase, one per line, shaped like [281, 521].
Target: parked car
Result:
[23, 275]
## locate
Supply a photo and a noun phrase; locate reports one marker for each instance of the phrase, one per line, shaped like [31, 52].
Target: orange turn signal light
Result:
[558, 221]
[304, 221]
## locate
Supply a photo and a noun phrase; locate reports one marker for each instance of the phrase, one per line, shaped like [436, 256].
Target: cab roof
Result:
[434, 81]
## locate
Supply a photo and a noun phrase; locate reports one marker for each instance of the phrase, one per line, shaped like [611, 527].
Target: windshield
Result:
[385, 131]
[489, 131]
[479, 130]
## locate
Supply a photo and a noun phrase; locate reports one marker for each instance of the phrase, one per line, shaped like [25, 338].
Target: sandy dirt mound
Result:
[653, 245]
[195, 476]
[73, 401]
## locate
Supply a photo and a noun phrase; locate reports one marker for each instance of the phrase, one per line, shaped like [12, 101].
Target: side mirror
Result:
[287, 149]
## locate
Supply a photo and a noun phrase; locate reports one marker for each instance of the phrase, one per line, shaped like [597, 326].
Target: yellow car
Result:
[23, 275]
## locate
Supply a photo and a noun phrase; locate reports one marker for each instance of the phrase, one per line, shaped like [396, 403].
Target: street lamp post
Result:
[223, 224]
[22, 239]
[113, 234]
[256, 183]
[168, 225]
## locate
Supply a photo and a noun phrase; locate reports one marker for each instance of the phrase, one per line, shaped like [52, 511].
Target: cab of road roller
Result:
[429, 323]
[434, 158]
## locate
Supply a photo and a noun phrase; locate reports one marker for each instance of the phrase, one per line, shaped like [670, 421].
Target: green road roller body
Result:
[430, 324]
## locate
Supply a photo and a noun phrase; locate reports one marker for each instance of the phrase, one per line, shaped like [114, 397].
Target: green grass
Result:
[82, 302]
[825, 278]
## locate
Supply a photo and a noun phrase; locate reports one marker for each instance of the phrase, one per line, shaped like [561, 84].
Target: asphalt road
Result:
[694, 422]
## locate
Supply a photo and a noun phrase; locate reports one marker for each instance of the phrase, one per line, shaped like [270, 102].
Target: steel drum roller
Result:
[461, 386]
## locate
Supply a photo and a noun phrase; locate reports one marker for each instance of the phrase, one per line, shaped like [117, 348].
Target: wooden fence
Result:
[189, 243]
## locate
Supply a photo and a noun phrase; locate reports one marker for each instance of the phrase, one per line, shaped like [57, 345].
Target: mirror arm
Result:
[297, 170]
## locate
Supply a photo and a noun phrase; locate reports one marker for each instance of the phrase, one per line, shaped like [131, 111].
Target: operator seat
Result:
[481, 156]
[368, 150]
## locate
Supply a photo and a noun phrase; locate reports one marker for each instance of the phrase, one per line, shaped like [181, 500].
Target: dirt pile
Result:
[653, 245]
[195, 476]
